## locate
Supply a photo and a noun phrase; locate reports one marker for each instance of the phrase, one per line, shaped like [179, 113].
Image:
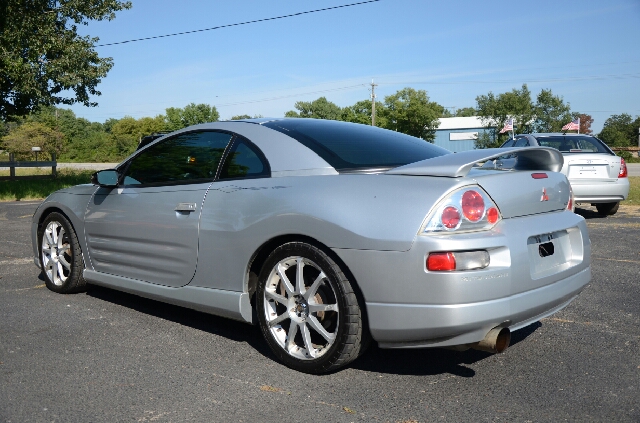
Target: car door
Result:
[234, 203]
[147, 228]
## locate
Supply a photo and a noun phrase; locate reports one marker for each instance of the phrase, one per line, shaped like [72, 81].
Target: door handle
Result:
[186, 207]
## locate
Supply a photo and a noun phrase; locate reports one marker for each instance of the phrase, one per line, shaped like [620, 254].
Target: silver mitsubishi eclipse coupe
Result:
[327, 235]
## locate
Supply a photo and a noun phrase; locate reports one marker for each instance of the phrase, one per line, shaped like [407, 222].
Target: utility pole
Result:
[373, 103]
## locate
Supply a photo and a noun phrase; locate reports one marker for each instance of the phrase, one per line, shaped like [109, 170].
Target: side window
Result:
[522, 142]
[509, 143]
[181, 159]
[245, 160]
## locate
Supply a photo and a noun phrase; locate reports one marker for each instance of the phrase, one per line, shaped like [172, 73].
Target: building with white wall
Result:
[458, 133]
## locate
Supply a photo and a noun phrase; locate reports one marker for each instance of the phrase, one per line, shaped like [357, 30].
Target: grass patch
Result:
[38, 189]
[634, 191]
[29, 171]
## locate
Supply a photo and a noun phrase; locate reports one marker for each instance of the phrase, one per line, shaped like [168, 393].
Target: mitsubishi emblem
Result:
[545, 197]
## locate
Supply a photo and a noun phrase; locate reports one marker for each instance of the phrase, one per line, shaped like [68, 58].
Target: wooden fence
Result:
[633, 150]
[12, 164]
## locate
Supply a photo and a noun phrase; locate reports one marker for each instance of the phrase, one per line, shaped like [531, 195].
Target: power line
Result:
[522, 80]
[290, 95]
[239, 23]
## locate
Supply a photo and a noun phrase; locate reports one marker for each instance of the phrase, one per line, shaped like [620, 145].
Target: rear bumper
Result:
[468, 323]
[600, 191]
[411, 307]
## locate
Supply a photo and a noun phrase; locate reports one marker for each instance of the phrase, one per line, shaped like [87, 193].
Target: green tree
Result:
[551, 113]
[488, 139]
[466, 112]
[240, 117]
[361, 113]
[4, 128]
[192, 114]
[316, 109]
[409, 111]
[108, 124]
[82, 139]
[548, 114]
[65, 121]
[620, 131]
[494, 111]
[33, 134]
[125, 136]
[149, 125]
[126, 133]
[43, 59]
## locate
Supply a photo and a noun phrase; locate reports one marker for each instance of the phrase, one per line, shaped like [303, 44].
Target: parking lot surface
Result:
[106, 356]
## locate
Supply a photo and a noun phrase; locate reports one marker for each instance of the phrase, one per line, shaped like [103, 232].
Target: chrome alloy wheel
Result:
[301, 308]
[56, 253]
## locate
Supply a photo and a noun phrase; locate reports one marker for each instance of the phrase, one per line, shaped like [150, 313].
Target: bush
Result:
[33, 134]
[626, 155]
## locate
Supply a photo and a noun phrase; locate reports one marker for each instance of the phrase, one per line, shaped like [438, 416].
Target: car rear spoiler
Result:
[457, 165]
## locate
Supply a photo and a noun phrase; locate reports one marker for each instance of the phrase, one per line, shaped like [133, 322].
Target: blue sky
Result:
[586, 52]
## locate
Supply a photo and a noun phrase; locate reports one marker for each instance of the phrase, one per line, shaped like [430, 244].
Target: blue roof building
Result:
[458, 133]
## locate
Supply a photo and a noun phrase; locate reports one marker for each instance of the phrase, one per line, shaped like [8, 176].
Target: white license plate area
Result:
[549, 253]
[588, 171]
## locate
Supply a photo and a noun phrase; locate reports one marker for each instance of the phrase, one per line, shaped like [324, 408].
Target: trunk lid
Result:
[533, 185]
[524, 193]
[593, 167]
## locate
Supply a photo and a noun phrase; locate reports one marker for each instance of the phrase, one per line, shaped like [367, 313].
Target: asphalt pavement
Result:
[107, 356]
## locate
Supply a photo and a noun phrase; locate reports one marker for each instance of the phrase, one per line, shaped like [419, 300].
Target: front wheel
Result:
[60, 255]
[607, 209]
[308, 311]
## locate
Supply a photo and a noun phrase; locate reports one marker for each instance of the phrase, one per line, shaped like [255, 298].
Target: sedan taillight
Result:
[466, 209]
[571, 206]
[623, 169]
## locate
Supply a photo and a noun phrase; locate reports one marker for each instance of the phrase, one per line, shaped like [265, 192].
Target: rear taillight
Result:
[493, 215]
[571, 206]
[623, 169]
[451, 217]
[438, 262]
[444, 261]
[466, 209]
[472, 205]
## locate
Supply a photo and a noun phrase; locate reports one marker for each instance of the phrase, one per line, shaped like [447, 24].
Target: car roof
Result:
[287, 157]
[301, 147]
[557, 134]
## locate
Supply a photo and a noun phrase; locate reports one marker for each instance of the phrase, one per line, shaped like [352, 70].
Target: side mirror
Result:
[105, 178]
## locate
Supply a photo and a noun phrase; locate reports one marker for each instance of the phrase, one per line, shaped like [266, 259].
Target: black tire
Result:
[341, 337]
[60, 255]
[607, 209]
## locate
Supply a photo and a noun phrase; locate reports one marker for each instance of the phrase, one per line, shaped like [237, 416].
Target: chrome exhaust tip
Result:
[496, 341]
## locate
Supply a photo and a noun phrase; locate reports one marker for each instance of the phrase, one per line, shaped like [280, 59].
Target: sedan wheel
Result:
[60, 255]
[307, 310]
[607, 209]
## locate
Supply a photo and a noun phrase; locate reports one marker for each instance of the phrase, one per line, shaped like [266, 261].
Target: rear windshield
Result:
[574, 144]
[354, 147]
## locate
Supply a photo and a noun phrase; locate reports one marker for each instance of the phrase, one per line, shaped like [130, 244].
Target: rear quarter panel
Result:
[364, 212]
